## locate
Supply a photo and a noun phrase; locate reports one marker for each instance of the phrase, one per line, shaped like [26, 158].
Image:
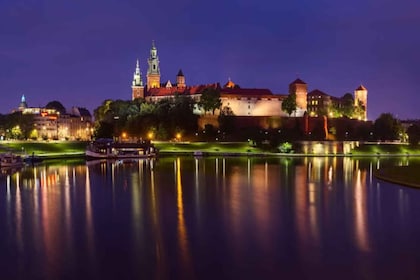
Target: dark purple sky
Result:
[81, 52]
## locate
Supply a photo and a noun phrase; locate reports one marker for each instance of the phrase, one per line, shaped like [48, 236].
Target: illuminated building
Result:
[360, 99]
[320, 103]
[50, 124]
[235, 99]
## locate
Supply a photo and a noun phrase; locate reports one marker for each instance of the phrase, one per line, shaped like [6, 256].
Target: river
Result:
[209, 218]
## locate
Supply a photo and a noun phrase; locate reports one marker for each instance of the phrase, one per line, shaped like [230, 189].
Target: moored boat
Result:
[10, 160]
[32, 159]
[108, 149]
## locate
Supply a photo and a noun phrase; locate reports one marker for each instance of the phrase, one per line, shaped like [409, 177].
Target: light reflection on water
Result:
[209, 217]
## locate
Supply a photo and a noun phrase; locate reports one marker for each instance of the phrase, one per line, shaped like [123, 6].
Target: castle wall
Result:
[244, 106]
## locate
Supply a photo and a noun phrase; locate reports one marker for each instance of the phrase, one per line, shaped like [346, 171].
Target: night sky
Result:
[82, 52]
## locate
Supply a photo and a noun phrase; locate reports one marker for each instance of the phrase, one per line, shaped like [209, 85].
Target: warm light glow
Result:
[124, 135]
[150, 135]
[178, 136]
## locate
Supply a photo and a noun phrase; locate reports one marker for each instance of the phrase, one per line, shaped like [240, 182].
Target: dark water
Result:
[209, 218]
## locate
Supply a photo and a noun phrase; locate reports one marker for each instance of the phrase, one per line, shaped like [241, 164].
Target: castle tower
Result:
[299, 88]
[180, 79]
[360, 99]
[22, 105]
[137, 85]
[153, 72]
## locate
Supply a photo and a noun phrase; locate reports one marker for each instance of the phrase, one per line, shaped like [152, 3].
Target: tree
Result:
[18, 125]
[57, 106]
[226, 120]
[289, 104]
[386, 127]
[210, 100]
[147, 108]
[413, 132]
[359, 111]
[347, 108]
[182, 114]
[104, 130]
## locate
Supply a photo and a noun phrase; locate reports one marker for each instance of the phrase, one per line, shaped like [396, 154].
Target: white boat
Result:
[10, 160]
[107, 148]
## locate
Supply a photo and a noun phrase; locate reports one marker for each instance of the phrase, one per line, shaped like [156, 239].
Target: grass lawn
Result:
[54, 148]
[403, 175]
[58, 148]
[385, 148]
[69, 148]
[208, 147]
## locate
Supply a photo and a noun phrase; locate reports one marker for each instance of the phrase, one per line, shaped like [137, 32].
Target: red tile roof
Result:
[246, 91]
[318, 92]
[163, 91]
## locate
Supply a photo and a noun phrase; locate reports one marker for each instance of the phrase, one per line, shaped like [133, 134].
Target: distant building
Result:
[76, 124]
[45, 122]
[50, 124]
[320, 103]
[238, 101]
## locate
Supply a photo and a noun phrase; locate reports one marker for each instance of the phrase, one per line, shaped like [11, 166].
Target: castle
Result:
[242, 101]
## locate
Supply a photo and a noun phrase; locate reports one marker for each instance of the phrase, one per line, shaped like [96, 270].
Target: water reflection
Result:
[182, 229]
[181, 217]
[360, 211]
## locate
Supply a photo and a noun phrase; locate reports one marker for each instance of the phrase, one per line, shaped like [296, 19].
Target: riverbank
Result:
[70, 149]
[401, 175]
[51, 150]
[385, 149]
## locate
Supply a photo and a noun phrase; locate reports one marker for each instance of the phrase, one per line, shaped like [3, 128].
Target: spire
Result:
[153, 61]
[229, 84]
[22, 104]
[137, 79]
[361, 87]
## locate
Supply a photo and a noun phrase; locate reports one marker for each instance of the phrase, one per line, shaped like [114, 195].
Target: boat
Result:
[199, 154]
[109, 149]
[32, 159]
[8, 160]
